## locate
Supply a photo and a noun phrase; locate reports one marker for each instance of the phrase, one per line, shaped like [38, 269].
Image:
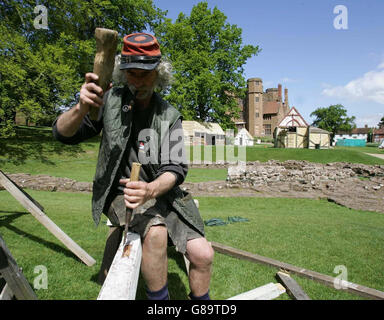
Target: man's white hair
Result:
[164, 74]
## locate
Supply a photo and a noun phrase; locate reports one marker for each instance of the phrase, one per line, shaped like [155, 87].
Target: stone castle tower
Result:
[262, 111]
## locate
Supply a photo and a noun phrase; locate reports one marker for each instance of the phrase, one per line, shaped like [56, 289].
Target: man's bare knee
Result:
[200, 252]
[156, 237]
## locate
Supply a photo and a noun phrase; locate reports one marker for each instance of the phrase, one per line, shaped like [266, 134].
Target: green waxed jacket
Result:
[117, 120]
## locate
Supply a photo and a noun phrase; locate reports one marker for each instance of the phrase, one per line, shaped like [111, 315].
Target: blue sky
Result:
[301, 49]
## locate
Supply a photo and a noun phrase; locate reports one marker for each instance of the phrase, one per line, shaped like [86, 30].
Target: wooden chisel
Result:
[135, 172]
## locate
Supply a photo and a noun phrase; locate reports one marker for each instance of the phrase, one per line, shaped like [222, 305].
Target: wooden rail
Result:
[322, 278]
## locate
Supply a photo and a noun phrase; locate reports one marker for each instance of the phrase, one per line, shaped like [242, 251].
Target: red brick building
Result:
[378, 134]
[262, 111]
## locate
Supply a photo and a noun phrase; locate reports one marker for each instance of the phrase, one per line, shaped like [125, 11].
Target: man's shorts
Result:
[153, 213]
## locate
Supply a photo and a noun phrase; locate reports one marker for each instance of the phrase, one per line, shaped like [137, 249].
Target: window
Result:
[267, 117]
[257, 115]
[257, 99]
[292, 129]
[267, 129]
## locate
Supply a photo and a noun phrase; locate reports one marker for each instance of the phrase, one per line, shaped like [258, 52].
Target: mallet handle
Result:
[106, 46]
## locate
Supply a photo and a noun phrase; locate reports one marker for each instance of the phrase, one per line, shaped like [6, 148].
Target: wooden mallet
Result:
[106, 46]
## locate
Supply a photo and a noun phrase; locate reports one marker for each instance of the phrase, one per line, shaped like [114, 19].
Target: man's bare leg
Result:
[200, 254]
[154, 263]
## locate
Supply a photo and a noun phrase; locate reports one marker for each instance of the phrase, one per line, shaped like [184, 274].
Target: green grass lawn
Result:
[34, 151]
[312, 234]
[338, 154]
[363, 149]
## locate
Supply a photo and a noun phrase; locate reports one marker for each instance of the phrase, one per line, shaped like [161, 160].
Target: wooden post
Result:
[123, 275]
[293, 288]
[121, 281]
[322, 278]
[111, 246]
[21, 196]
[267, 292]
[13, 276]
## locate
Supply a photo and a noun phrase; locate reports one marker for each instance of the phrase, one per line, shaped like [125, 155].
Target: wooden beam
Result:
[111, 246]
[6, 293]
[123, 275]
[35, 210]
[13, 276]
[322, 278]
[25, 193]
[267, 292]
[293, 288]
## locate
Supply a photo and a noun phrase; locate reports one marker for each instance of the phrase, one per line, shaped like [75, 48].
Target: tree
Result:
[381, 123]
[34, 83]
[208, 57]
[41, 70]
[333, 119]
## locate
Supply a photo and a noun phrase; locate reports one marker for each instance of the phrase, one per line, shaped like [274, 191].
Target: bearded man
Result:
[139, 126]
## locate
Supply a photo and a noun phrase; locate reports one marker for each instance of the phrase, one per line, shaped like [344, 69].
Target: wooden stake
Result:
[123, 275]
[25, 201]
[121, 281]
[293, 288]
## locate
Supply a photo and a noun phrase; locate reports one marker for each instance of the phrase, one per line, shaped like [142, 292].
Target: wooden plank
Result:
[324, 279]
[6, 293]
[111, 247]
[121, 281]
[45, 221]
[267, 292]
[13, 276]
[293, 288]
[22, 191]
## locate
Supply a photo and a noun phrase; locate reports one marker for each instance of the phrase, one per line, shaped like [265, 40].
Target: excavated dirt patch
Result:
[355, 186]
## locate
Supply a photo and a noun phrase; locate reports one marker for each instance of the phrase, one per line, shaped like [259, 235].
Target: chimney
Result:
[286, 96]
[279, 94]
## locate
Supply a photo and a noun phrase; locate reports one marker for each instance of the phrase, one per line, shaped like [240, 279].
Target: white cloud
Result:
[287, 80]
[371, 120]
[368, 87]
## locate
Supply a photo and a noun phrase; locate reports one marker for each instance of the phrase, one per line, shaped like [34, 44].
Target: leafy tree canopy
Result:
[41, 70]
[208, 58]
[333, 119]
[381, 123]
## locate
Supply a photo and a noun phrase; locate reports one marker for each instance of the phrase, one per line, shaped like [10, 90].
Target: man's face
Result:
[141, 82]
